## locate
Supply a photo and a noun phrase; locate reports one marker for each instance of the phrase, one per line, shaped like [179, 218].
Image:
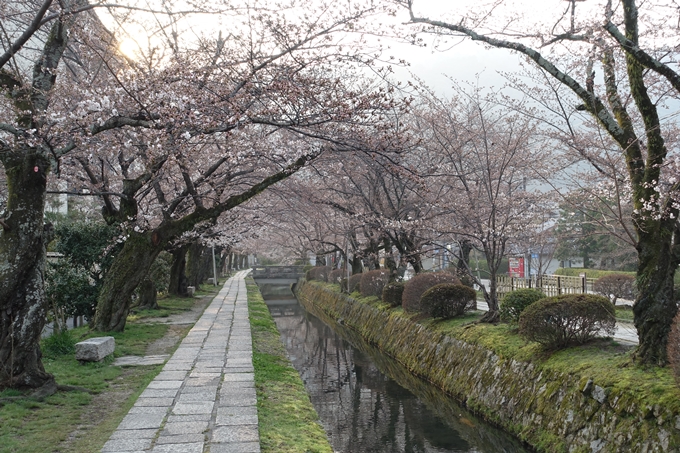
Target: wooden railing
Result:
[551, 285]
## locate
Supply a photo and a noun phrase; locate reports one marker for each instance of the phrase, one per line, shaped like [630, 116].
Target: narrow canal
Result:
[369, 403]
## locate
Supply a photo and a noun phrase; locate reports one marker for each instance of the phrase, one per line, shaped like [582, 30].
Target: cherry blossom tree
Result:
[482, 158]
[597, 37]
[279, 74]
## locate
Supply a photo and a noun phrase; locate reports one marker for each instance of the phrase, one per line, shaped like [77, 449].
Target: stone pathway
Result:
[204, 398]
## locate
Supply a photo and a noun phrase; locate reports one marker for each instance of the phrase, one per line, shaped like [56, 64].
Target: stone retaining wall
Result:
[551, 411]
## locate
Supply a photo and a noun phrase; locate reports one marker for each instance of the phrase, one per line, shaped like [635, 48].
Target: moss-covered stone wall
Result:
[552, 411]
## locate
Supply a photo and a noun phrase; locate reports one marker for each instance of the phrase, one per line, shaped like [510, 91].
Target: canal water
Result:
[367, 402]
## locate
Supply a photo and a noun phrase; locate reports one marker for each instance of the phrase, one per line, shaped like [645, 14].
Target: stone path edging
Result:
[204, 398]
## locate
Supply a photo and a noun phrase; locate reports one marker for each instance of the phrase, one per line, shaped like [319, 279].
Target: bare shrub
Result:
[373, 282]
[415, 287]
[615, 286]
[319, 273]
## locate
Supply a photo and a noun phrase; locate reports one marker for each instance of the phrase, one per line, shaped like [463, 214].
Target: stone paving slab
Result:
[204, 398]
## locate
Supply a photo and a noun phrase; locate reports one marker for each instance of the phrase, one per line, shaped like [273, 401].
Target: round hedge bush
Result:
[515, 302]
[560, 321]
[416, 287]
[373, 282]
[354, 283]
[319, 273]
[336, 275]
[392, 293]
[447, 300]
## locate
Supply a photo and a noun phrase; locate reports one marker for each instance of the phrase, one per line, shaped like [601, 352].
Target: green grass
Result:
[30, 426]
[172, 305]
[288, 422]
[624, 314]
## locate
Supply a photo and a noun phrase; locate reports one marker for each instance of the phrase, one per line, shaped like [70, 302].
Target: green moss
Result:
[287, 419]
[457, 355]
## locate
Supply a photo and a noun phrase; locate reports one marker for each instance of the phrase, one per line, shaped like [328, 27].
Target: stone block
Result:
[191, 290]
[95, 349]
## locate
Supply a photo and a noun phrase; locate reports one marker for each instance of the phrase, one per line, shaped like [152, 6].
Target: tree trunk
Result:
[178, 279]
[357, 266]
[390, 262]
[320, 260]
[195, 265]
[463, 265]
[128, 270]
[148, 297]
[23, 305]
[655, 307]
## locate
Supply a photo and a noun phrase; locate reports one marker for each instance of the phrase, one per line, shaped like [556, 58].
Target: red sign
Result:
[516, 266]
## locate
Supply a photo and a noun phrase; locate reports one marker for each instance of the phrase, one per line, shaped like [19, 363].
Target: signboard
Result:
[516, 266]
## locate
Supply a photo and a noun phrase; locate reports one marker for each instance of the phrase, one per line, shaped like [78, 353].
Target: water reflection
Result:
[362, 398]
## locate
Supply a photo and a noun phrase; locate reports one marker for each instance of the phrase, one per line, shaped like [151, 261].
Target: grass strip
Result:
[288, 422]
[80, 422]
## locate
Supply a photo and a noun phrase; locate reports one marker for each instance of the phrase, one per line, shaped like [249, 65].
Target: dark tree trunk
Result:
[148, 297]
[230, 262]
[463, 270]
[655, 307]
[357, 266]
[195, 264]
[320, 260]
[128, 270]
[224, 263]
[23, 306]
[463, 263]
[178, 279]
[494, 252]
[390, 262]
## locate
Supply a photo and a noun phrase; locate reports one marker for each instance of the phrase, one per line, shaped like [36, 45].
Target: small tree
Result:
[615, 286]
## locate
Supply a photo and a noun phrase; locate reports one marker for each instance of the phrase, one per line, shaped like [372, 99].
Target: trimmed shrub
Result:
[615, 286]
[515, 302]
[319, 273]
[559, 321]
[392, 293]
[354, 283]
[416, 287]
[447, 300]
[373, 282]
[673, 347]
[336, 275]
